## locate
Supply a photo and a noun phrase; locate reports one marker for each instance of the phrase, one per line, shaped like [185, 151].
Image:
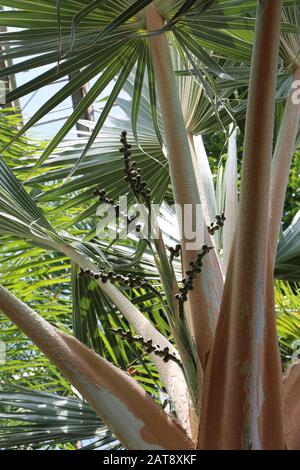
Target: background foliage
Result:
[106, 42]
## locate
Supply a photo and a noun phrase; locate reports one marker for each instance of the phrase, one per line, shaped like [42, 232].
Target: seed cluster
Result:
[132, 173]
[191, 274]
[174, 252]
[148, 346]
[130, 219]
[130, 280]
[220, 219]
[104, 199]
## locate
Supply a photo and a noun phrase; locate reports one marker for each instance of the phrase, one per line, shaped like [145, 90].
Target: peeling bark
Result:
[137, 421]
[242, 386]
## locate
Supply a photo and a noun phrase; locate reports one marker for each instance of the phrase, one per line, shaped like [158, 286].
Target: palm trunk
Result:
[241, 406]
[203, 304]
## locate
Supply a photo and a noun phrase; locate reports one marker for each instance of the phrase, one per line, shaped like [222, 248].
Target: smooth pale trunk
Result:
[203, 303]
[283, 155]
[128, 410]
[241, 406]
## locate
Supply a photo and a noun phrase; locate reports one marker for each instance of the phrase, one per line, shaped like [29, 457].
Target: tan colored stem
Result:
[283, 155]
[170, 373]
[130, 413]
[202, 301]
[291, 407]
[243, 382]
[213, 261]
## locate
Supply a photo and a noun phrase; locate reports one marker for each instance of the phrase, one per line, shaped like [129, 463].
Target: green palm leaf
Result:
[35, 419]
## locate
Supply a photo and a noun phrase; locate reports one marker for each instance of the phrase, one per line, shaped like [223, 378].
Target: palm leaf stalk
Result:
[291, 384]
[250, 394]
[201, 309]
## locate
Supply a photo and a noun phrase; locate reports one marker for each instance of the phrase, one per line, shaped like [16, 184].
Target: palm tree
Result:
[211, 340]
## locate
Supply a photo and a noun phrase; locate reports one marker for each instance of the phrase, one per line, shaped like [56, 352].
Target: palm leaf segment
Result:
[104, 40]
[41, 420]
